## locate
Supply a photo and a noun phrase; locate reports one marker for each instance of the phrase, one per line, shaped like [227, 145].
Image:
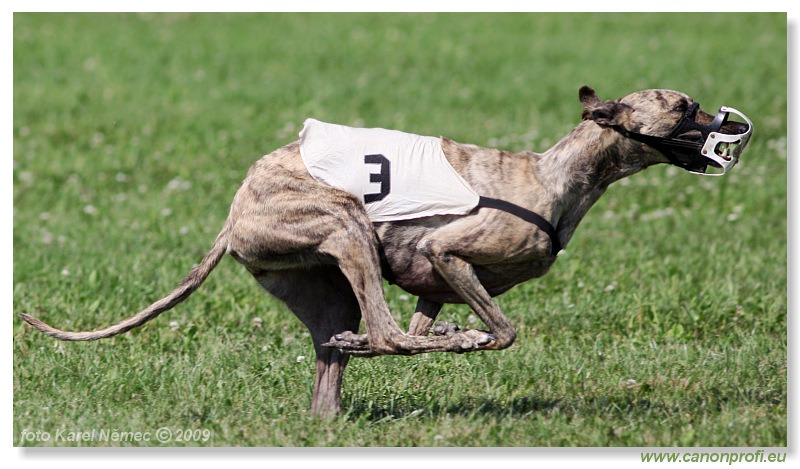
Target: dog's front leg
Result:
[424, 316]
[357, 257]
[461, 277]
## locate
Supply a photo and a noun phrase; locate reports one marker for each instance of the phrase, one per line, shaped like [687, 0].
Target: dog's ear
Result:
[606, 113]
[609, 113]
[588, 98]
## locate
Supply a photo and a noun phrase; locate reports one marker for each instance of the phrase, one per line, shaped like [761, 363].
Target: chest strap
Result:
[526, 215]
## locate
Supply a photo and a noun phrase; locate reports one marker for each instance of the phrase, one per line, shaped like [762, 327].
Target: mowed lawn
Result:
[664, 324]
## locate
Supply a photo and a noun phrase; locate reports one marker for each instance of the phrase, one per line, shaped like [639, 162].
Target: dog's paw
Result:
[473, 339]
[351, 343]
[445, 328]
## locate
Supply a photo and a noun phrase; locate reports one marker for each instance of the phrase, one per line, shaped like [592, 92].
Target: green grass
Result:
[663, 325]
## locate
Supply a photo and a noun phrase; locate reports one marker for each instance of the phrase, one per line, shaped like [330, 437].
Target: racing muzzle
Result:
[702, 149]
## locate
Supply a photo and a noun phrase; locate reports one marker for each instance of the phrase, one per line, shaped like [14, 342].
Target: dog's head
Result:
[673, 125]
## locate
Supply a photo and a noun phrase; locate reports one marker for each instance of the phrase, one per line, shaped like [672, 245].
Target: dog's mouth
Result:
[726, 141]
[725, 149]
[692, 136]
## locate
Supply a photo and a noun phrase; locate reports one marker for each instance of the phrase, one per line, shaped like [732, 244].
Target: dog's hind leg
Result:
[322, 299]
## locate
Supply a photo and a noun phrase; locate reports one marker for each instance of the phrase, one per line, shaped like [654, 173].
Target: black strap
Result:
[681, 153]
[526, 215]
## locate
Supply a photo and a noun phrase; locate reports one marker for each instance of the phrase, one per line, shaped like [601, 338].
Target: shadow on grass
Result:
[627, 405]
[410, 407]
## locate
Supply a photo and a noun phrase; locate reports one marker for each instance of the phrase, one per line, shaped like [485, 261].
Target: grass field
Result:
[663, 325]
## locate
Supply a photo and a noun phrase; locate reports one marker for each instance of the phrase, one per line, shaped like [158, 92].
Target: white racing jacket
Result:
[396, 175]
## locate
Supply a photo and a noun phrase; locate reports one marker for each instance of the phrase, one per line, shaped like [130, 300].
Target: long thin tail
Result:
[187, 286]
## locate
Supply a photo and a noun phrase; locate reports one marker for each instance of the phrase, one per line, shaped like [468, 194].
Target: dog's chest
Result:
[410, 269]
[416, 275]
[396, 175]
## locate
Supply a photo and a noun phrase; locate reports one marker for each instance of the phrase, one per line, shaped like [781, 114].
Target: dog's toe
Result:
[445, 328]
[488, 337]
[473, 339]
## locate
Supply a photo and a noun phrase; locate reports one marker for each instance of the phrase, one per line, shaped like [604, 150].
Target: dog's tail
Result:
[187, 286]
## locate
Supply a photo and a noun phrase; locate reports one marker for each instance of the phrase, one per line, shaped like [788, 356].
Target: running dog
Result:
[317, 247]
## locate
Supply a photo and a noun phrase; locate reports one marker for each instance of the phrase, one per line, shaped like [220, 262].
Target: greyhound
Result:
[313, 246]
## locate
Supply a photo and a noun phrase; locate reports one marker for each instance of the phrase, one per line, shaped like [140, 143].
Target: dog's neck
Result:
[578, 169]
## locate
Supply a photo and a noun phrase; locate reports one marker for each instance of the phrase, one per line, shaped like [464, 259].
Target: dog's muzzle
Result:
[701, 149]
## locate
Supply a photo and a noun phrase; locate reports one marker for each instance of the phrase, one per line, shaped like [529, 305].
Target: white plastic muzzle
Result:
[724, 149]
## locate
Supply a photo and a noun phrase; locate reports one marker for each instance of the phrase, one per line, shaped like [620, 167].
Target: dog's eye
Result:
[682, 107]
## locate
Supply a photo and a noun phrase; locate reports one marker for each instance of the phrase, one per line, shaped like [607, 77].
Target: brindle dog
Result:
[313, 246]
